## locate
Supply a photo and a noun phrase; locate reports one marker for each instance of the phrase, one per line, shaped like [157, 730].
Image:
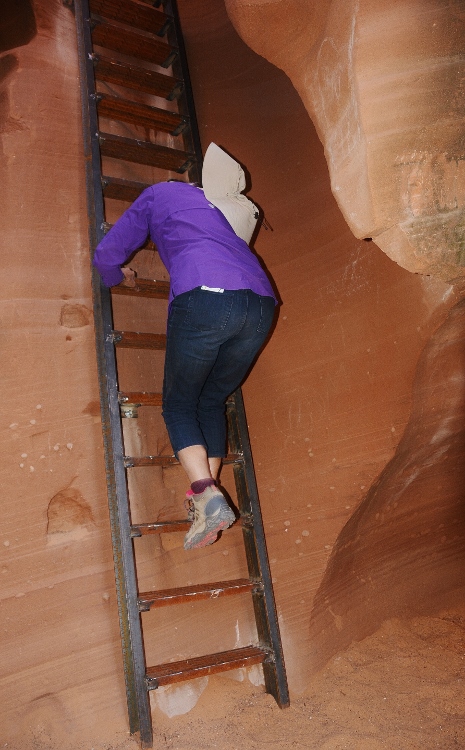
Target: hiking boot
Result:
[211, 514]
[189, 505]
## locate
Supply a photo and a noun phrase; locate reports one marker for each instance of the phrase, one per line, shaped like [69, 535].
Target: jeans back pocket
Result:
[206, 311]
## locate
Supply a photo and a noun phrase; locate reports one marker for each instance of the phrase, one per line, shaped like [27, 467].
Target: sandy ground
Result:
[400, 689]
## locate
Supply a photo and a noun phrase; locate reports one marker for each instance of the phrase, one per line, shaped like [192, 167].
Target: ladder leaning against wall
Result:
[132, 53]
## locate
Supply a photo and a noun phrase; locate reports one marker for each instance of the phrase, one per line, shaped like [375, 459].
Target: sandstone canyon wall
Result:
[334, 386]
[383, 83]
[61, 665]
[354, 407]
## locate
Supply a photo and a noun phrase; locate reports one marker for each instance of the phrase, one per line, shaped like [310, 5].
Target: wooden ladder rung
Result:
[124, 110]
[160, 527]
[142, 398]
[141, 17]
[166, 597]
[145, 288]
[135, 45]
[165, 527]
[134, 340]
[131, 462]
[122, 190]
[139, 79]
[143, 152]
[189, 669]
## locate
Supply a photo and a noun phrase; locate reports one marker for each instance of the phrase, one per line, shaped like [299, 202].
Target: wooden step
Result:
[134, 461]
[166, 674]
[145, 288]
[161, 527]
[138, 16]
[143, 152]
[122, 190]
[135, 45]
[116, 108]
[166, 597]
[131, 462]
[135, 340]
[143, 398]
[139, 79]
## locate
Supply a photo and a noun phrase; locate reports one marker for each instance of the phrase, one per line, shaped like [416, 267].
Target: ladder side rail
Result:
[242, 434]
[270, 665]
[124, 565]
[186, 100]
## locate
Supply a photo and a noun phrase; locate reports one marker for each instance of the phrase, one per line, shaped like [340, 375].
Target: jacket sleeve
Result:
[129, 233]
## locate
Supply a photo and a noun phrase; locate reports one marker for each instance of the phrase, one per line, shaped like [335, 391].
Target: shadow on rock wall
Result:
[17, 28]
[403, 552]
[17, 24]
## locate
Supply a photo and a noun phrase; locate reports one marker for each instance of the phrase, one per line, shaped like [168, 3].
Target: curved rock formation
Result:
[384, 84]
[402, 549]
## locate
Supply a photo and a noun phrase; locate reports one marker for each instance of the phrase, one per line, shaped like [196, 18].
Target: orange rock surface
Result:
[384, 85]
[354, 408]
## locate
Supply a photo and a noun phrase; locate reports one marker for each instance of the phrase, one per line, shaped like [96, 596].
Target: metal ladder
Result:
[137, 47]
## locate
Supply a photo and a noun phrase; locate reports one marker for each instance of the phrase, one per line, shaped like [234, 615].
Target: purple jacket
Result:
[195, 242]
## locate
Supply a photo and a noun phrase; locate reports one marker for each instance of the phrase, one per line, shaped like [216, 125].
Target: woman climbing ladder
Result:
[220, 312]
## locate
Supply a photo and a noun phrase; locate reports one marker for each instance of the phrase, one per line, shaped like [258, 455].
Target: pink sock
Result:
[201, 485]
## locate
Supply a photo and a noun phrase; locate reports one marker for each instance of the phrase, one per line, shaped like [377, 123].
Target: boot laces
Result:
[192, 512]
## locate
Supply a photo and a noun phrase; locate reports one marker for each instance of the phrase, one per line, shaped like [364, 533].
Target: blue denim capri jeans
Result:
[212, 341]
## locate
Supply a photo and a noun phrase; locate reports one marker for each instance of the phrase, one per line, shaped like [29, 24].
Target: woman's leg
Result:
[212, 342]
[211, 345]
[197, 464]
[195, 334]
[235, 359]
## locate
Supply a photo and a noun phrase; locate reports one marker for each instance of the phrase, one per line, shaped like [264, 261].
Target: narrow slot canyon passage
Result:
[348, 117]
